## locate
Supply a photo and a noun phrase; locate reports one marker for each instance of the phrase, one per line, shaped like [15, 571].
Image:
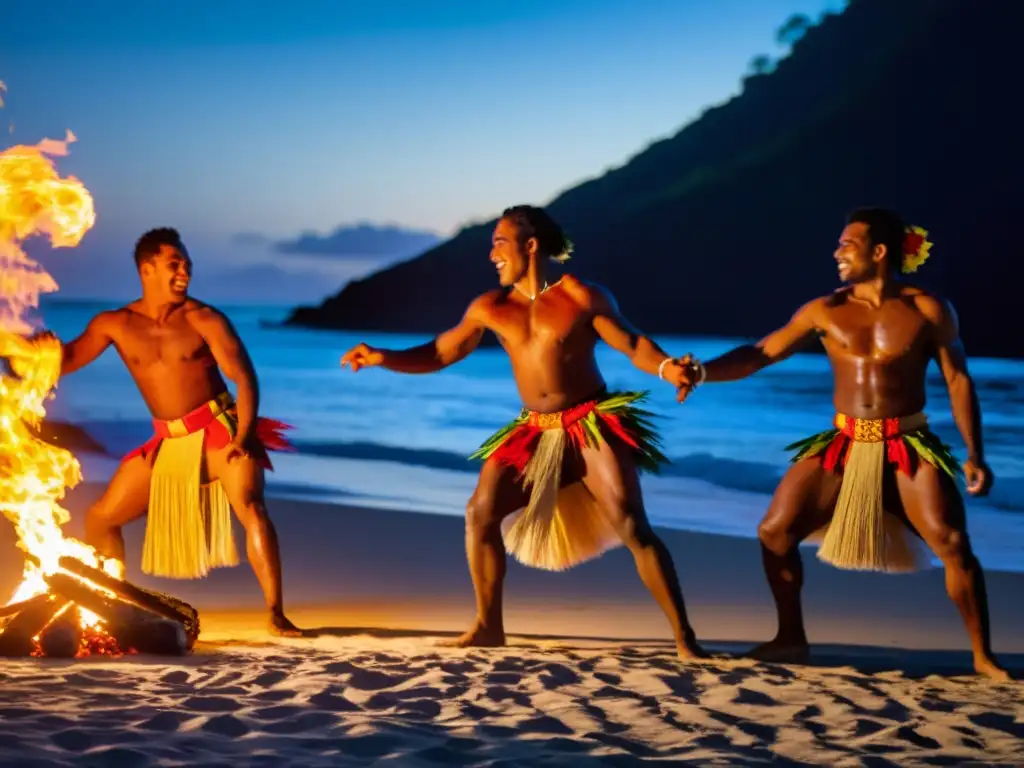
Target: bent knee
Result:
[634, 529]
[253, 514]
[100, 516]
[951, 546]
[777, 539]
[480, 513]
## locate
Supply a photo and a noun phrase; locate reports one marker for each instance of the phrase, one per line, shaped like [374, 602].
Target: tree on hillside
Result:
[792, 30]
[761, 64]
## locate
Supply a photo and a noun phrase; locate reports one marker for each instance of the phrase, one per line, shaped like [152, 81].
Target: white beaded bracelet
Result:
[661, 368]
[703, 373]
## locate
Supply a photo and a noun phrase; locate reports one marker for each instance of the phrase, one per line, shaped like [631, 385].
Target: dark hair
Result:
[532, 221]
[149, 244]
[885, 227]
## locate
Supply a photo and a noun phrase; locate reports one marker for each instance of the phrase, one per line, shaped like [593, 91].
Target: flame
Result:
[34, 475]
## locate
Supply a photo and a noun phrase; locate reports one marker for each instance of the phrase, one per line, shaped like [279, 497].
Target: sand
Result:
[588, 678]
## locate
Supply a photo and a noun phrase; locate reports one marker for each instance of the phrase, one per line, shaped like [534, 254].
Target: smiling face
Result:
[509, 254]
[856, 259]
[166, 275]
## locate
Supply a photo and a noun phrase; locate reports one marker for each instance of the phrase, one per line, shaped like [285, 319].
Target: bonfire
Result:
[71, 602]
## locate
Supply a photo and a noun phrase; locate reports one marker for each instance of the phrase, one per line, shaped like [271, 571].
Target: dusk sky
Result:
[250, 124]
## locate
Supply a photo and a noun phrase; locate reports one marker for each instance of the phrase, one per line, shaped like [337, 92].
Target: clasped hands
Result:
[685, 373]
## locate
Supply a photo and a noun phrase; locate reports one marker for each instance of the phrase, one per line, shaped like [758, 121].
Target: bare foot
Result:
[781, 652]
[988, 667]
[689, 650]
[478, 637]
[280, 626]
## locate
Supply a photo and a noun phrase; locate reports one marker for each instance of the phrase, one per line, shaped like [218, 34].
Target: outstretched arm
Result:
[448, 348]
[617, 332]
[748, 359]
[233, 359]
[963, 397]
[97, 336]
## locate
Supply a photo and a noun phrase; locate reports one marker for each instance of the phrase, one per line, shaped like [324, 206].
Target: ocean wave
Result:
[118, 437]
[736, 475]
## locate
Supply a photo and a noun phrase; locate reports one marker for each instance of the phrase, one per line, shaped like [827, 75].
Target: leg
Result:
[497, 495]
[933, 505]
[125, 499]
[803, 503]
[612, 478]
[242, 480]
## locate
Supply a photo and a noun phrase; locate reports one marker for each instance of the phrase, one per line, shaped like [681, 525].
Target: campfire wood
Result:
[13, 608]
[136, 619]
[62, 637]
[133, 628]
[19, 631]
[165, 605]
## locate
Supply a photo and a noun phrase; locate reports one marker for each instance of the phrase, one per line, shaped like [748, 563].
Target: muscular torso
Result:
[551, 343]
[170, 362]
[879, 355]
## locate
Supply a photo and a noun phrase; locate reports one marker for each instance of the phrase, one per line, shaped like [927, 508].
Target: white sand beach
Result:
[589, 677]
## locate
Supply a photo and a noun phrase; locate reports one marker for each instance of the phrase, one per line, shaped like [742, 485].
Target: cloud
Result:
[251, 240]
[101, 268]
[264, 284]
[362, 241]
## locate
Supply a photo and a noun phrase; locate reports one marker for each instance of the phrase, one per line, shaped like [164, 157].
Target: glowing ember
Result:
[35, 200]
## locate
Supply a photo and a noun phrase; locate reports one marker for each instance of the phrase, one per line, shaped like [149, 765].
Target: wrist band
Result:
[702, 375]
[661, 368]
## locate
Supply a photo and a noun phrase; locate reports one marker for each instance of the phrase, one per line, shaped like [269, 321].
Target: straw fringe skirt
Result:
[188, 527]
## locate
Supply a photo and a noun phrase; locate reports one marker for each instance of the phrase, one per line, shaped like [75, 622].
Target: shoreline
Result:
[681, 503]
[395, 570]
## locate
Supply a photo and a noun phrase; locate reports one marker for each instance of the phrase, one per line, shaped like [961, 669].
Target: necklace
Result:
[534, 296]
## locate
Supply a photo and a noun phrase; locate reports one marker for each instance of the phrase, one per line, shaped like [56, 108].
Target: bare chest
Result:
[145, 344]
[539, 326]
[883, 334]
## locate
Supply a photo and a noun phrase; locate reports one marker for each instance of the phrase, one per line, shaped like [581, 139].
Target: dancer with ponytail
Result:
[559, 484]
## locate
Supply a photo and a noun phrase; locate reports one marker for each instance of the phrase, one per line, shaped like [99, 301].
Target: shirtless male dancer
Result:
[880, 468]
[572, 457]
[209, 454]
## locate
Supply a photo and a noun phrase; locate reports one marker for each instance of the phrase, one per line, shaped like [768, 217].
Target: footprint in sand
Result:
[212, 704]
[331, 701]
[166, 722]
[228, 726]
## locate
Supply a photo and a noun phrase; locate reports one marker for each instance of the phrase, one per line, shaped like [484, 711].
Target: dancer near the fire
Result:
[208, 453]
[880, 467]
[561, 481]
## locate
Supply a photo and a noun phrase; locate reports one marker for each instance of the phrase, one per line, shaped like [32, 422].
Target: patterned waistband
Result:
[877, 430]
[195, 420]
[566, 417]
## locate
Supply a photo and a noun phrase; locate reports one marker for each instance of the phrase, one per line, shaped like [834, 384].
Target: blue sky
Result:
[271, 120]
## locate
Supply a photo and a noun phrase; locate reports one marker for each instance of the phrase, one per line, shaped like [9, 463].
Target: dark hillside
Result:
[728, 226]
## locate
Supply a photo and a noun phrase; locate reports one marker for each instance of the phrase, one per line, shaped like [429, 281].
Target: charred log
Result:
[62, 637]
[164, 605]
[134, 628]
[17, 636]
[13, 608]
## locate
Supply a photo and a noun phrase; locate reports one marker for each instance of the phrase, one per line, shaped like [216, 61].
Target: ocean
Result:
[384, 440]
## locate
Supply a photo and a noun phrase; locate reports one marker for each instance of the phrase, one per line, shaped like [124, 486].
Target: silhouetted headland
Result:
[728, 226]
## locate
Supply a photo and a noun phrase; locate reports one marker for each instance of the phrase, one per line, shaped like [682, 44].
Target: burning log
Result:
[133, 628]
[17, 638]
[62, 637]
[13, 608]
[132, 619]
[164, 605]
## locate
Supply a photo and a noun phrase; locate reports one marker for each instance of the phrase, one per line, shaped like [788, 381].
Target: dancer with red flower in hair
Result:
[559, 485]
[880, 475]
